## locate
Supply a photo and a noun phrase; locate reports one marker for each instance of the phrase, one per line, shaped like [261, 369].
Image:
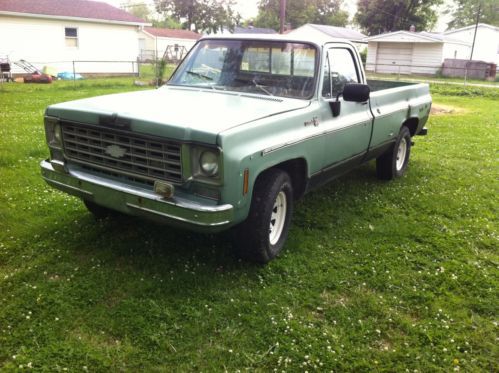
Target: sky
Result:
[248, 9]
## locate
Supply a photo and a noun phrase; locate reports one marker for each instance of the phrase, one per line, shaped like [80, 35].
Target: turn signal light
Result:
[164, 189]
[245, 182]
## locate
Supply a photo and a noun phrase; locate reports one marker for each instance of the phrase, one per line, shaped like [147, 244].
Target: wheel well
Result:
[297, 171]
[412, 125]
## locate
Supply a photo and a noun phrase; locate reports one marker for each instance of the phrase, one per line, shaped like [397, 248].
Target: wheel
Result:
[99, 212]
[261, 237]
[394, 162]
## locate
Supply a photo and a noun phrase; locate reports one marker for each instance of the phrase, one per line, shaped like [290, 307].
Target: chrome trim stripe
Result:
[271, 149]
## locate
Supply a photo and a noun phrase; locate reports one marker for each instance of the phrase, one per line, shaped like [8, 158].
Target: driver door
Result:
[346, 135]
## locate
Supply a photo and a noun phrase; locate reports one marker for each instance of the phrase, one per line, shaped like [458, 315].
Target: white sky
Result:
[248, 9]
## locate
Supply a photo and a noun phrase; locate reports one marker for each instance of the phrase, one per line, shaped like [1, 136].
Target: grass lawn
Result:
[424, 78]
[375, 276]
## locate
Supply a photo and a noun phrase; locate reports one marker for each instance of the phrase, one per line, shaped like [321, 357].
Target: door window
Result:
[340, 69]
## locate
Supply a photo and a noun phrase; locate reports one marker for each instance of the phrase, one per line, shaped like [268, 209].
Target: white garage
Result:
[405, 52]
[394, 58]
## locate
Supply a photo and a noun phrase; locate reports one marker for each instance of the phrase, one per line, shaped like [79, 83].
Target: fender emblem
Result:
[115, 151]
[314, 122]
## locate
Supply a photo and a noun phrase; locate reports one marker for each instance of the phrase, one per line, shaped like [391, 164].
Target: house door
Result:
[142, 47]
[394, 58]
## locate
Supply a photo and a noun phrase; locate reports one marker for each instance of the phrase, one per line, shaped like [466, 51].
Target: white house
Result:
[486, 44]
[57, 32]
[311, 30]
[407, 52]
[155, 41]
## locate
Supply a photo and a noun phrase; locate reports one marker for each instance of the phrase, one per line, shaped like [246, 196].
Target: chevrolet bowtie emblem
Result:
[115, 151]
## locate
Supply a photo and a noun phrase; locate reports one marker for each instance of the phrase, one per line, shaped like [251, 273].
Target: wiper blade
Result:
[199, 75]
[261, 87]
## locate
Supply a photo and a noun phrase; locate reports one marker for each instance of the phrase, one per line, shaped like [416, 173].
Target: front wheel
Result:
[261, 237]
[394, 162]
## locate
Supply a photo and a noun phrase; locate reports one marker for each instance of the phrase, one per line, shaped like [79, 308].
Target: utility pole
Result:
[282, 15]
[476, 28]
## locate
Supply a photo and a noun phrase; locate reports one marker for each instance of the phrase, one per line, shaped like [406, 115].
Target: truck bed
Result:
[378, 85]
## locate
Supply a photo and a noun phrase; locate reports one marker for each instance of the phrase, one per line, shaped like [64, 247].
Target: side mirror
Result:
[356, 92]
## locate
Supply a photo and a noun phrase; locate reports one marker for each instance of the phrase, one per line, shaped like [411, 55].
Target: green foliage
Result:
[470, 91]
[138, 9]
[380, 16]
[300, 12]
[376, 276]
[464, 13]
[167, 22]
[363, 55]
[204, 15]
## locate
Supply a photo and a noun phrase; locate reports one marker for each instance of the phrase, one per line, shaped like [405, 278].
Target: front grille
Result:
[125, 153]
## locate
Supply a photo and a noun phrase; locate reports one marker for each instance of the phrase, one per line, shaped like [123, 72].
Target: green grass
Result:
[424, 78]
[375, 276]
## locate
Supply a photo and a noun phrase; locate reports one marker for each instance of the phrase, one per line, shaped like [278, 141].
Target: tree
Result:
[300, 12]
[379, 16]
[167, 22]
[202, 15]
[138, 9]
[465, 13]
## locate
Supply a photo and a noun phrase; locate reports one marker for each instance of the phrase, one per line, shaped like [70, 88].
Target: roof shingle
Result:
[69, 8]
[172, 33]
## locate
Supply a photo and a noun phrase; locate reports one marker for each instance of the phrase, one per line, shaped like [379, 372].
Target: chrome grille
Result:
[143, 157]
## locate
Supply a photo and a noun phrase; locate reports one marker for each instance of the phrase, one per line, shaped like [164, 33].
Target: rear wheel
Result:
[262, 236]
[394, 162]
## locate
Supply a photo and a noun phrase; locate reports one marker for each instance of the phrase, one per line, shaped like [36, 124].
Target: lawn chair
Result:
[5, 70]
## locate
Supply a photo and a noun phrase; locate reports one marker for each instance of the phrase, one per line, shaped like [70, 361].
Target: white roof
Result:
[472, 27]
[413, 37]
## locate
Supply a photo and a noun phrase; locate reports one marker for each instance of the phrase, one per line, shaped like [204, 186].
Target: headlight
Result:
[208, 161]
[53, 132]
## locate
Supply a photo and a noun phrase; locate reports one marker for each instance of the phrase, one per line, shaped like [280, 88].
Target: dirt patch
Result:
[437, 109]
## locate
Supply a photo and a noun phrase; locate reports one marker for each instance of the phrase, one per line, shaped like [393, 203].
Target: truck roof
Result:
[319, 41]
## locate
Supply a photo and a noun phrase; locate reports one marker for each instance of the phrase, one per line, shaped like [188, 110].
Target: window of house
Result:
[71, 34]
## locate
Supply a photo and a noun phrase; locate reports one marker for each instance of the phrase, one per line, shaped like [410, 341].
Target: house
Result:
[246, 30]
[253, 30]
[155, 41]
[409, 52]
[318, 31]
[486, 44]
[57, 32]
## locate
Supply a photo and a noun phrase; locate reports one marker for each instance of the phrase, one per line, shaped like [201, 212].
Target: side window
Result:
[339, 70]
[71, 35]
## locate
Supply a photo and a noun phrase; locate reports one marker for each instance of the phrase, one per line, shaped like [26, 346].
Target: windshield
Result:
[271, 68]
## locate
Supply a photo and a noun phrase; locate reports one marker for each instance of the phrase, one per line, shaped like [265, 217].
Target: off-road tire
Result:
[254, 238]
[390, 165]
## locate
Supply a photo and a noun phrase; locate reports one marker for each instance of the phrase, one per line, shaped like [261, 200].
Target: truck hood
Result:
[188, 114]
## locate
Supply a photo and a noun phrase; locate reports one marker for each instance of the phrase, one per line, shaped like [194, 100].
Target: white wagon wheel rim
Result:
[401, 154]
[278, 218]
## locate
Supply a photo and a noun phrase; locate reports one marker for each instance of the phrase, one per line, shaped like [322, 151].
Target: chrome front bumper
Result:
[132, 200]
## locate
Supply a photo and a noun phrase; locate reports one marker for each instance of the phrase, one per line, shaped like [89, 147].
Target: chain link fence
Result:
[154, 72]
[150, 71]
[461, 72]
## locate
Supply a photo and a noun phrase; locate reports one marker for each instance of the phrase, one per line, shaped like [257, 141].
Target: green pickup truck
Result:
[244, 126]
